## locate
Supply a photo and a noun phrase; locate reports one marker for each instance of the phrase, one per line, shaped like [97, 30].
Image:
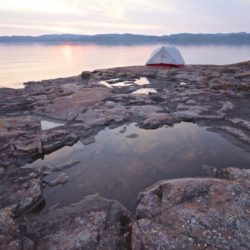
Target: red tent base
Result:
[166, 65]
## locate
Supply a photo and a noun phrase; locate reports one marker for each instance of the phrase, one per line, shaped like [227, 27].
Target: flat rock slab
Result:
[68, 107]
[93, 223]
[195, 213]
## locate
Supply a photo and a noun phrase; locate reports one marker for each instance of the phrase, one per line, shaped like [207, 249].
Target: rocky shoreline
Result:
[196, 213]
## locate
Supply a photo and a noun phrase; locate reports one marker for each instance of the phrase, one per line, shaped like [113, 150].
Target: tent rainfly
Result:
[166, 56]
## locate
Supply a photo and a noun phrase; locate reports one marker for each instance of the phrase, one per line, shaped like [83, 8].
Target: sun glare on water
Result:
[67, 53]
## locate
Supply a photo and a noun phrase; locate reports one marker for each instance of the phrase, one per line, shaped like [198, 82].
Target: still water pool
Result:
[126, 160]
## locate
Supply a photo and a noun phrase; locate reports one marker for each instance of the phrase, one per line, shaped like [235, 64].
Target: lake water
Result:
[26, 62]
[126, 160]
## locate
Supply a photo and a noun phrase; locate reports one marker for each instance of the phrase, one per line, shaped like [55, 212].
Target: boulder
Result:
[62, 178]
[195, 213]
[85, 75]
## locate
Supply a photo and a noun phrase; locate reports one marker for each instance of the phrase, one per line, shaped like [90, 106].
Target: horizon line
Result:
[138, 34]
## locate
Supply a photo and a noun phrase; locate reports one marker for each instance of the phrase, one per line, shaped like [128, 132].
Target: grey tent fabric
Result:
[166, 55]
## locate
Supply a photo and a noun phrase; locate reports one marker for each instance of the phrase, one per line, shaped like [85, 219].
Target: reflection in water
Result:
[123, 84]
[48, 124]
[142, 81]
[118, 167]
[104, 83]
[67, 53]
[27, 62]
[144, 91]
[117, 84]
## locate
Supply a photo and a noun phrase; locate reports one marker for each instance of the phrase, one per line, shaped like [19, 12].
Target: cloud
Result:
[127, 16]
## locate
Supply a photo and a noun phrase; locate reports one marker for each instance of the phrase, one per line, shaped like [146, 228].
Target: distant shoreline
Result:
[241, 38]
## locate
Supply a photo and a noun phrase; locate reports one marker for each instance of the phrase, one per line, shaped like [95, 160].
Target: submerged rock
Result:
[195, 213]
[132, 136]
[237, 133]
[63, 166]
[62, 178]
[87, 141]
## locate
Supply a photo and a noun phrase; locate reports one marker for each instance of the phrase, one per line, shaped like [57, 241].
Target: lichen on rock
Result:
[195, 213]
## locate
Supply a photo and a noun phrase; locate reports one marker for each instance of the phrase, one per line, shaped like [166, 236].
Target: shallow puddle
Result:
[126, 160]
[144, 91]
[142, 81]
[104, 83]
[122, 84]
[49, 124]
[116, 83]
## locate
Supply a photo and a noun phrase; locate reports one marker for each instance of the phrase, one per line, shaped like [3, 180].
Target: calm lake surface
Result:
[126, 160]
[27, 62]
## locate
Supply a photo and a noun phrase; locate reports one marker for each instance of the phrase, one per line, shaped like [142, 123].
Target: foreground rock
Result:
[189, 213]
[11, 237]
[19, 139]
[21, 189]
[211, 213]
[94, 223]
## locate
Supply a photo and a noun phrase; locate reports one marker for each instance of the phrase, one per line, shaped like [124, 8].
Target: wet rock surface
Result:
[215, 95]
[210, 213]
[190, 213]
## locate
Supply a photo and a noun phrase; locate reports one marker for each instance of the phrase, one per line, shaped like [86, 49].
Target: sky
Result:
[157, 17]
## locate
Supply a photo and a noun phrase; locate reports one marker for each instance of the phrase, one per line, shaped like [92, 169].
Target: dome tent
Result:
[166, 56]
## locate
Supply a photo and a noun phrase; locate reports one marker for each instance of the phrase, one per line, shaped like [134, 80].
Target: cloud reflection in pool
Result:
[119, 167]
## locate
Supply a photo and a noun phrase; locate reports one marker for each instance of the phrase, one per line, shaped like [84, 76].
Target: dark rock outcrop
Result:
[21, 189]
[19, 139]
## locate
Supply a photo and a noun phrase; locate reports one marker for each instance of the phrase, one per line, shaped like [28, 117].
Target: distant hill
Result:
[129, 39]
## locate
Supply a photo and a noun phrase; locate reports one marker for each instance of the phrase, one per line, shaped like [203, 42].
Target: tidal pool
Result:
[126, 160]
